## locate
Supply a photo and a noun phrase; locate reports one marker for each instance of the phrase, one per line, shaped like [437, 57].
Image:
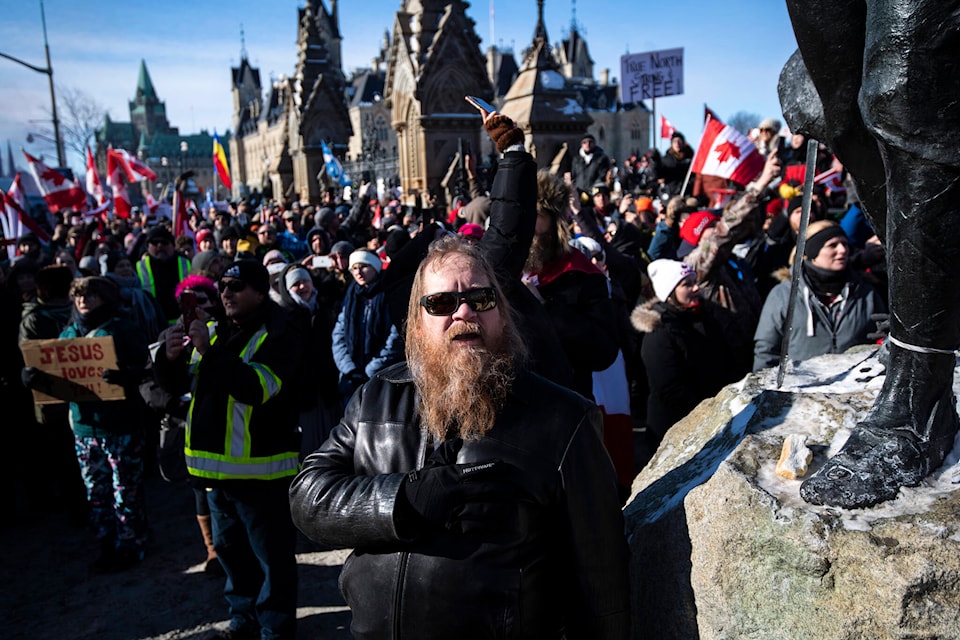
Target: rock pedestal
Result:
[723, 548]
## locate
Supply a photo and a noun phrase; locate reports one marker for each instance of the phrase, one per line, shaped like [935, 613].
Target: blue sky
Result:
[733, 51]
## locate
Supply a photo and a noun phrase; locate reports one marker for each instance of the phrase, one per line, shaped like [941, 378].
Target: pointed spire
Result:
[243, 44]
[11, 167]
[541, 31]
[144, 84]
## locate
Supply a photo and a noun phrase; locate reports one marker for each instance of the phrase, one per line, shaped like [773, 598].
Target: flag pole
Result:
[653, 128]
[686, 180]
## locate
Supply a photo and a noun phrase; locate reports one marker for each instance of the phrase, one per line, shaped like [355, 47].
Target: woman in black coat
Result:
[684, 353]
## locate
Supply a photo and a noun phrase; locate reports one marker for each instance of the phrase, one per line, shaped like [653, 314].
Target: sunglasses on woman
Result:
[447, 302]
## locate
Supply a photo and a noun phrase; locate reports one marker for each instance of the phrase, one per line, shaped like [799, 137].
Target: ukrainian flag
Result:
[220, 162]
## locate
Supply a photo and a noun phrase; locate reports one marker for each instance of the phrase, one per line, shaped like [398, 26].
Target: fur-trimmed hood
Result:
[645, 318]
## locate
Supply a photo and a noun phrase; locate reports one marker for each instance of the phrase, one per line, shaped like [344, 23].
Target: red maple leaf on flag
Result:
[727, 150]
[51, 175]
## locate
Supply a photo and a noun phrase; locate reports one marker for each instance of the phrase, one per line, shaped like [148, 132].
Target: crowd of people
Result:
[424, 381]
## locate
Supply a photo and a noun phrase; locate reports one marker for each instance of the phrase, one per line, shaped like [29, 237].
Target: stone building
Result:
[556, 99]
[150, 137]
[372, 151]
[277, 147]
[435, 60]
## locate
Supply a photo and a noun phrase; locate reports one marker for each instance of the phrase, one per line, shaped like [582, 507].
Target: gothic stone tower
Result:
[435, 60]
[317, 108]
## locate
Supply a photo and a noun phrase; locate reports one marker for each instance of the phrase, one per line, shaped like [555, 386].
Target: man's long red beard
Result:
[461, 389]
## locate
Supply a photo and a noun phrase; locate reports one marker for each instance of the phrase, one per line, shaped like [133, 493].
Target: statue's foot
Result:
[881, 456]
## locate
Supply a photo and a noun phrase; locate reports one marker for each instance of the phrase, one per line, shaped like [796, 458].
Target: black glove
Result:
[439, 494]
[33, 378]
[122, 377]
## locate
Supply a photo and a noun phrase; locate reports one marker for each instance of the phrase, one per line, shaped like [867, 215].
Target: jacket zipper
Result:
[405, 556]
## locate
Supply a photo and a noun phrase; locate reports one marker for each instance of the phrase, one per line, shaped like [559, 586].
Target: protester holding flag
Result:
[675, 165]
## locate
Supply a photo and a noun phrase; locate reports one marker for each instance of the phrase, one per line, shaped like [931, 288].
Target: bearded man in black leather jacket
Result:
[478, 495]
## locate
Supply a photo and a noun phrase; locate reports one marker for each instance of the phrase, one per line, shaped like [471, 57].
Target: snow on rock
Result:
[723, 547]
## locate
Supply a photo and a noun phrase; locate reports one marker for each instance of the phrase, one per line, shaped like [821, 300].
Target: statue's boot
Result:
[907, 435]
[912, 425]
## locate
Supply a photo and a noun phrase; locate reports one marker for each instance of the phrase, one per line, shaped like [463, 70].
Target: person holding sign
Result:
[108, 434]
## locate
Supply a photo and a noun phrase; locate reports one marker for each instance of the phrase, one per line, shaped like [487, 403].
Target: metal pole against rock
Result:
[812, 146]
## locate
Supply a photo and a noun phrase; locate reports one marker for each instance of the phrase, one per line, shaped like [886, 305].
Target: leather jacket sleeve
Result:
[599, 607]
[333, 503]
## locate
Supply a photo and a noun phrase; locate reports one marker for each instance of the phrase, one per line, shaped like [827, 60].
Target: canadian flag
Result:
[709, 114]
[133, 169]
[666, 129]
[94, 186]
[121, 199]
[727, 153]
[58, 192]
[181, 218]
[16, 220]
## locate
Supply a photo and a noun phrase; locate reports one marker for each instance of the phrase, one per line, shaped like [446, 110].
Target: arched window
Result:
[636, 131]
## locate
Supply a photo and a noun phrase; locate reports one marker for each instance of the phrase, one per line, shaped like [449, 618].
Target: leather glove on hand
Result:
[439, 494]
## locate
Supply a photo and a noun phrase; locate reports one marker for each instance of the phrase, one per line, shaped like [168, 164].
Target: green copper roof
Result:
[144, 84]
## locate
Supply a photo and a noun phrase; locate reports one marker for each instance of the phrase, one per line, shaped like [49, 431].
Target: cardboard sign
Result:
[651, 75]
[76, 366]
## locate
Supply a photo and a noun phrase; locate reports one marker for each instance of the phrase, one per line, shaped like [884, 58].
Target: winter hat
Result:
[343, 247]
[325, 217]
[643, 204]
[396, 240]
[159, 233]
[272, 256]
[203, 260]
[295, 275]
[89, 264]
[666, 275]
[770, 123]
[203, 234]
[818, 234]
[471, 230]
[692, 230]
[362, 256]
[251, 272]
[196, 283]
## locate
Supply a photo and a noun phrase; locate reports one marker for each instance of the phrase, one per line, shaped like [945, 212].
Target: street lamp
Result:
[48, 70]
[184, 147]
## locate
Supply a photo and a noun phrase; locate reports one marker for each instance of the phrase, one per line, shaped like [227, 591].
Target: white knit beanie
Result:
[366, 257]
[666, 275]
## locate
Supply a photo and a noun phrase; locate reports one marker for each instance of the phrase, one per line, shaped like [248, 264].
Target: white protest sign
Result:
[651, 75]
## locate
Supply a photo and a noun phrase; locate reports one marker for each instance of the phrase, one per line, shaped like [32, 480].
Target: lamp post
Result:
[48, 70]
[184, 147]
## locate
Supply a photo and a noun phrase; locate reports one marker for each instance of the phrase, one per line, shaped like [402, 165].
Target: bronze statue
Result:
[879, 81]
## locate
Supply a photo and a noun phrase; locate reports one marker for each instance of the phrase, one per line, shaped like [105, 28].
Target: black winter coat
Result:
[686, 359]
[558, 564]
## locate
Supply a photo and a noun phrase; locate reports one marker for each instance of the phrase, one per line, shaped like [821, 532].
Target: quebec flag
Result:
[333, 166]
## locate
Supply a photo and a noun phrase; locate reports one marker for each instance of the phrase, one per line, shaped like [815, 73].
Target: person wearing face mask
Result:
[833, 306]
[684, 351]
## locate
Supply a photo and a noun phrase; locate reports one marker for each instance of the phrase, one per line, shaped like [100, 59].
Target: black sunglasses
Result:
[236, 286]
[447, 302]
